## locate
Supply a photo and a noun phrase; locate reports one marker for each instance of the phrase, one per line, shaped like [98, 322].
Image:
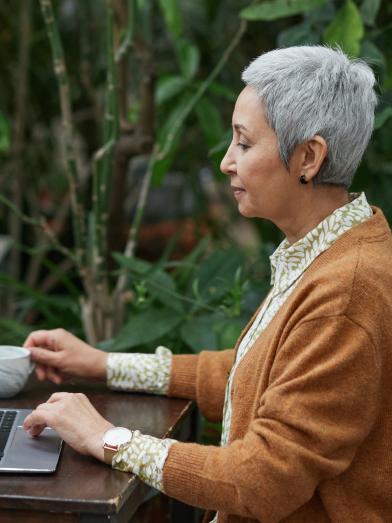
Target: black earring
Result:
[302, 179]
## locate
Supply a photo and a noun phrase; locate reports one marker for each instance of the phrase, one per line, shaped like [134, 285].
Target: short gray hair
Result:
[309, 90]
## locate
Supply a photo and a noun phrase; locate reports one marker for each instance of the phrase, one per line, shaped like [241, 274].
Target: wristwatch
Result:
[112, 439]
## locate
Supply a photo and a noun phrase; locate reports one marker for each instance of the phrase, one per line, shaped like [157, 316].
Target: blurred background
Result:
[115, 221]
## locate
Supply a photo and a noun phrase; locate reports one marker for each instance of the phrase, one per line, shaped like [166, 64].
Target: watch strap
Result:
[110, 450]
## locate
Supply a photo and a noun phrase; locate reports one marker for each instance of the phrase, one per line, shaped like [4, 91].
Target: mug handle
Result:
[32, 367]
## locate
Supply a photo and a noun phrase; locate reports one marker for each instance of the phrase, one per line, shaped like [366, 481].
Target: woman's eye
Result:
[243, 146]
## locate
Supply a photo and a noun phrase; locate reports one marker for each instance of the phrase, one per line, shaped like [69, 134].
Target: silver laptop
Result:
[19, 452]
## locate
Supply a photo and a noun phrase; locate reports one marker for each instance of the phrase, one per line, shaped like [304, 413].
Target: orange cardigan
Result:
[311, 430]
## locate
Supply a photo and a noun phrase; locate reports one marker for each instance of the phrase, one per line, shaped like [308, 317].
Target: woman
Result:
[305, 396]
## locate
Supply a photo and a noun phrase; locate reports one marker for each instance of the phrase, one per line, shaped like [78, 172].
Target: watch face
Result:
[117, 436]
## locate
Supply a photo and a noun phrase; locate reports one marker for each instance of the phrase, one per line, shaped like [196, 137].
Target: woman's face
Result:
[260, 181]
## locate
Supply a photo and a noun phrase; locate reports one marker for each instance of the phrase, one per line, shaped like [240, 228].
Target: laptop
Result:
[19, 452]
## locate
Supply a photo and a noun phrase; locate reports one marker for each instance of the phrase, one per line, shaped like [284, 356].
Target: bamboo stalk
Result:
[61, 74]
[103, 158]
[128, 39]
[15, 224]
[132, 238]
[97, 304]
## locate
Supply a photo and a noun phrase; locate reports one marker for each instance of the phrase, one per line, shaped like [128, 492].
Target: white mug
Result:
[15, 369]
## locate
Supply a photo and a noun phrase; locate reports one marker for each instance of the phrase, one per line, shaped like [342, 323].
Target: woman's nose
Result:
[227, 165]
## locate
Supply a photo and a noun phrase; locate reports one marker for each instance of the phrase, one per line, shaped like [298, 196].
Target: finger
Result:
[36, 339]
[37, 430]
[54, 376]
[44, 356]
[42, 415]
[57, 396]
[40, 371]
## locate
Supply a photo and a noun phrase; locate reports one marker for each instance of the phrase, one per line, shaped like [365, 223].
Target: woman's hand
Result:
[58, 353]
[75, 420]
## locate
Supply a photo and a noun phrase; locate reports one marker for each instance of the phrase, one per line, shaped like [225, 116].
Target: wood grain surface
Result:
[82, 484]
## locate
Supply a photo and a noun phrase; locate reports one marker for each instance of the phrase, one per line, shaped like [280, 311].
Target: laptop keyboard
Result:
[7, 418]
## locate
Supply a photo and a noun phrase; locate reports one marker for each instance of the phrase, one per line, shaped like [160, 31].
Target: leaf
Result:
[162, 286]
[273, 10]
[372, 54]
[322, 16]
[4, 134]
[145, 327]
[188, 56]
[136, 265]
[13, 332]
[223, 144]
[298, 34]
[222, 90]
[158, 282]
[183, 273]
[173, 17]
[199, 333]
[43, 302]
[216, 274]
[346, 30]
[382, 117]
[162, 166]
[369, 10]
[168, 87]
[229, 332]
[210, 121]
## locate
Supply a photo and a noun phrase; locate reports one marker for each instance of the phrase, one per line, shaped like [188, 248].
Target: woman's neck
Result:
[320, 202]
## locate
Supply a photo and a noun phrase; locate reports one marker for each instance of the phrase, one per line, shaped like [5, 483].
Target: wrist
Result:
[94, 442]
[111, 441]
[99, 367]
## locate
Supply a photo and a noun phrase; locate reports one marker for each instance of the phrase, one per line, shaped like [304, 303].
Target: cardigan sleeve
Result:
[321, 403]
[202, 377]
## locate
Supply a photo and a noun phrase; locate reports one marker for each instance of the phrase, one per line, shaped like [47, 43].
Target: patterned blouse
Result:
[146, 455]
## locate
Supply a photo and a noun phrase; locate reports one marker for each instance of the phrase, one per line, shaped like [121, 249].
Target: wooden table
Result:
[83, 489]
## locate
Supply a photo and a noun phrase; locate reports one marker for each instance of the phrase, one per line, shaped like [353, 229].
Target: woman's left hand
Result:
[75, 420]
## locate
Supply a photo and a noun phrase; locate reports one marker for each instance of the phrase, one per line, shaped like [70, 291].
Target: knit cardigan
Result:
[311, 429]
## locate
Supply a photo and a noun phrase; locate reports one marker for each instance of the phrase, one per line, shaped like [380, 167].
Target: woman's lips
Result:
[238, 191]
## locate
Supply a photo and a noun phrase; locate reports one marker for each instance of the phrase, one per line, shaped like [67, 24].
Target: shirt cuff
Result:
[137, 372]
[144, 456]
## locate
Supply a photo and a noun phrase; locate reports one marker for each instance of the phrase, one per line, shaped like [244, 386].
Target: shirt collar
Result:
[288, 262]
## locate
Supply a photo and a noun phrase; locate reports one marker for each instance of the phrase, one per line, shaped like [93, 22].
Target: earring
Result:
[302, 179]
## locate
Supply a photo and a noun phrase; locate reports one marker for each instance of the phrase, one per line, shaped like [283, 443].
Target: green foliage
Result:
[173, 16]
[13, 332]
[382, 117]
[49, 311]
[145, 327]
[4, 134]
[369, 11]
[162, 166]
[275, 9]
[198, 303]
[346, 29]
[189, 58]
[204, 300]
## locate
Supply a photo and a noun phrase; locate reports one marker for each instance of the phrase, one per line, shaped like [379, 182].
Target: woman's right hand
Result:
[58, 353]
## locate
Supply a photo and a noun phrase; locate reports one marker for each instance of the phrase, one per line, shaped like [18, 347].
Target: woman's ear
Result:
[314, 152]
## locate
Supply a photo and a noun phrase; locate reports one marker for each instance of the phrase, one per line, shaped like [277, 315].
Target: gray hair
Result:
[309, 90]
